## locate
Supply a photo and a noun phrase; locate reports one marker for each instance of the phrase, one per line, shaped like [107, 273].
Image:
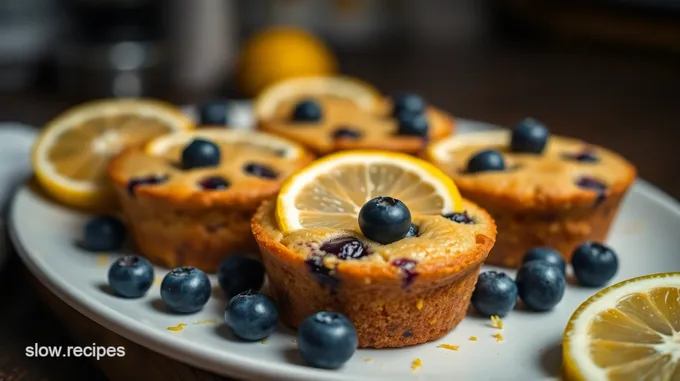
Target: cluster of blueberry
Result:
[530, 136]
[384, 220]
[202, 153]
[408, 110]
[325, 339]
[541, 281]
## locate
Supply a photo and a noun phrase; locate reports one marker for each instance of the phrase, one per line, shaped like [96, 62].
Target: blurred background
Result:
[607, 71]
[603, 70]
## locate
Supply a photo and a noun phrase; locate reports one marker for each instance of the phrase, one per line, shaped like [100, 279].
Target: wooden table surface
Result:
[628, 101]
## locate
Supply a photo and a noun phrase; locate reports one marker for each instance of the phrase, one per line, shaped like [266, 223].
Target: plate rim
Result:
[227, 363]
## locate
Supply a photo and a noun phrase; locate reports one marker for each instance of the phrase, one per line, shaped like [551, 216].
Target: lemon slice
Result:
[627, 332]
[71, 153]
[362, 94]
[331, 191]
[442, 150]
[169, 144]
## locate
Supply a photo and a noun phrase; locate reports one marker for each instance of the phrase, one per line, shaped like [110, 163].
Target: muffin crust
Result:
[405, 293]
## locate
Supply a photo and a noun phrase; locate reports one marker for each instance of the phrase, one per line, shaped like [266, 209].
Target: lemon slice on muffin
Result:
[360, 93]
[330, 192]
[629, 331]
[71, 154]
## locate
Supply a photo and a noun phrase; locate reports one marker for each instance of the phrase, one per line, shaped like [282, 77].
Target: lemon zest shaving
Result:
[419, 304]
[449, 347]
[102, 260]
[473, 338]
[496, 322]
[177, 328]
[499, 337]
[416, 364]
[205, 322]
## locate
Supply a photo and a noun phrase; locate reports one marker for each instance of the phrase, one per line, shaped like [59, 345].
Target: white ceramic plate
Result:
[645, 236]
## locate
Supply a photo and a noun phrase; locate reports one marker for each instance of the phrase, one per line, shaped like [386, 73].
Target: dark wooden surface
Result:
[626, 100]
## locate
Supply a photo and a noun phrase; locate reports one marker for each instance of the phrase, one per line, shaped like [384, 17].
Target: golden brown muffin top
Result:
[568, 172]
[441, 247]
[252, 166]
[344, 125]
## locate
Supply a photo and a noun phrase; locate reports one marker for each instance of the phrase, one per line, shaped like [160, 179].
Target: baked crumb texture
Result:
[386, 311]
[174, 222]
[550, 199]
[376, 129]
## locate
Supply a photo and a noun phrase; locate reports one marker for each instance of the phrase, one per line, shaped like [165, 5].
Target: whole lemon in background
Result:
[279, 53]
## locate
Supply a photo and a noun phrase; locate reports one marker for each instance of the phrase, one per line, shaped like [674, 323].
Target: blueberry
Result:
[214, 183]
[461, 218]
[135, 182]
[345, 248]
[495, 294]
[213, 113]
[487, 160]
[103, 233]
[307, 110]
[529, 136]
[238, 273]
[412, 231]
[412, 124]
[260, 170]
[540, 285]
[322, 273]
[346, 133]
[185, 289]
[548, 255]
[384, 220]
[587, 155]
[327, 340]
[131, 276]
[251, 315]
[594, 264]
[200, 153]
[408, 269]
[410, 103]
[590, 183]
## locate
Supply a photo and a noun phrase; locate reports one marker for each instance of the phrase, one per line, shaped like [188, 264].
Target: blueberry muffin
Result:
[188, 197]
[329, 117]
[398, 269]
[541, 190]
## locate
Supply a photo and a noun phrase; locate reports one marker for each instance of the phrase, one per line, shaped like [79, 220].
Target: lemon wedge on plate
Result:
[71, 153]
[627, 332]
[362, 94]
[330, 192]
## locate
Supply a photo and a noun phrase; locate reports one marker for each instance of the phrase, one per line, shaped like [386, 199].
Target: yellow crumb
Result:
[473, 338]
[449, 347]
[265, 342]
[496, 322]
[157, 280]
[419, 304]
[205, 322]
[102, 260]
[416, 364]
[498, 337]
[177, 328]
[368, 359]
